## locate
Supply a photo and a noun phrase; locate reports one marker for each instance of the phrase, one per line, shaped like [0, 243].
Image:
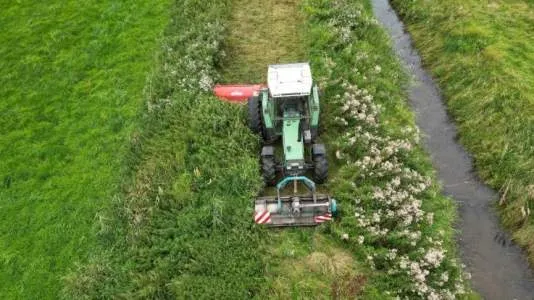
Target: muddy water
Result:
[499, 269]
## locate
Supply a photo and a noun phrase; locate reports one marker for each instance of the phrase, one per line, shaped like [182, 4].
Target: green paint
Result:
[314, 107]
[293, 148]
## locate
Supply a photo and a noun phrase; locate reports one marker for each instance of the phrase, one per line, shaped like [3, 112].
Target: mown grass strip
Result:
[299, 262]
[71, 84]
[261, 33]
[482, 55]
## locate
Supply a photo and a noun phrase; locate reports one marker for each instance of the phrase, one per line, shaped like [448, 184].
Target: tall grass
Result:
[71, 83]
[182, 227]
[482, 54]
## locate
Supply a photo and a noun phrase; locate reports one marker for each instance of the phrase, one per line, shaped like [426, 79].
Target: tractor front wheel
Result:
[254, 115]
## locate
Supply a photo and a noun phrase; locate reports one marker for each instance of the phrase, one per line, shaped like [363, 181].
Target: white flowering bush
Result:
[189, 59]
[344, 25]
[387, 212]
[389, 200]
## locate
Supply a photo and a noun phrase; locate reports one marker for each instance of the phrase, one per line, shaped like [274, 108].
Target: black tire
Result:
[320, 170]
[254, 115]
[268, 170]
[314, 133]
[268, 136]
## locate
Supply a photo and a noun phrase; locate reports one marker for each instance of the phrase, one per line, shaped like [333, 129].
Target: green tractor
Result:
[288, 109]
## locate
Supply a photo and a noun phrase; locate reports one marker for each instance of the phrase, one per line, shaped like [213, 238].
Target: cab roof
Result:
[287, 80]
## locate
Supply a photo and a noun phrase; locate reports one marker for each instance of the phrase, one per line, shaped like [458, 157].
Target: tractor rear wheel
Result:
[268, 170]
[254, 115]
[320, 171]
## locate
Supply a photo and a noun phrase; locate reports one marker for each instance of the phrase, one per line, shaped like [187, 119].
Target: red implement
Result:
[237, 93]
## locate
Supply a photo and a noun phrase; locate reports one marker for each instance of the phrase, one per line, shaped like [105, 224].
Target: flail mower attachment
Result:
[294, 210]
[237, 93]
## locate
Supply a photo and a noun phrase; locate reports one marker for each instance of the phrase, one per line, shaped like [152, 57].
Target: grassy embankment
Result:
[482, 54]
[394, 214]
[184, 224]
[72, 75]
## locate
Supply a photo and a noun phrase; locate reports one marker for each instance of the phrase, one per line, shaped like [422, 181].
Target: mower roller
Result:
[287, 109]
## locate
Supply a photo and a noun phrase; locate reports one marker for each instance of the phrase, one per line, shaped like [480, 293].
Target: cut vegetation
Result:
[71, 83]
[482, 54]
[262, 33]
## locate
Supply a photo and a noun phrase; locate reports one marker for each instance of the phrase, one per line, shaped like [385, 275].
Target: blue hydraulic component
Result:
[307, 182]
[333, 206]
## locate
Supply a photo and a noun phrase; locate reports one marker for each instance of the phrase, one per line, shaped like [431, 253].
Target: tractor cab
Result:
[289, 80]
[290, 94]
[289, 108]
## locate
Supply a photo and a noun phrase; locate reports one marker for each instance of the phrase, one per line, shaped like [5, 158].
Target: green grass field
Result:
[183, 226]
[482, 53]
[71, 85]
[126, 178]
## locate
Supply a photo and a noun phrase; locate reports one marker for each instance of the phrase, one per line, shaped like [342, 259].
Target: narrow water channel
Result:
[499, 268]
